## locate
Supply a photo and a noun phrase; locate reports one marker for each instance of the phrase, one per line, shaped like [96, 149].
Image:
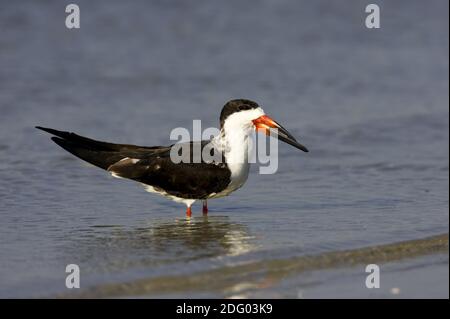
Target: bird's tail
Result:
[98, 153]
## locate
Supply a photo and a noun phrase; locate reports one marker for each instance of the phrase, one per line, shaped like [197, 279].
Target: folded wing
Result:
[148, 165]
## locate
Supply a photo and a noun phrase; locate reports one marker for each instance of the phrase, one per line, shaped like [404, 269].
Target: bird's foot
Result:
[205, 208]
[188, 212]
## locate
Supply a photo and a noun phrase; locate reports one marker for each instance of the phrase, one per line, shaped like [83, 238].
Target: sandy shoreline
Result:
[262, 275]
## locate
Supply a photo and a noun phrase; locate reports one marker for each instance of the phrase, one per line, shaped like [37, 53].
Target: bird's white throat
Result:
[235, 143]
[235, 136]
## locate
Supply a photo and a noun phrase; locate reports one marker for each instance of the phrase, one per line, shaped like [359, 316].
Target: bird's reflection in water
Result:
[206, 236]
[162, 242]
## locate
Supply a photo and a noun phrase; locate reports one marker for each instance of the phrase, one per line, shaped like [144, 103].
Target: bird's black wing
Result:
[183, 179]
[151, 165]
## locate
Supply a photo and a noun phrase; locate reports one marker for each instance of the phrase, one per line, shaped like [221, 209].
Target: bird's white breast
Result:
[235, 143]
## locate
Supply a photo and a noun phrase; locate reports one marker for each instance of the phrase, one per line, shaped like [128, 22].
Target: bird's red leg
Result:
[205, 208]
[188, 212]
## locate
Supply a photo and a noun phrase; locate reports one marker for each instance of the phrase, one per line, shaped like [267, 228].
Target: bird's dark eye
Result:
[243, 107]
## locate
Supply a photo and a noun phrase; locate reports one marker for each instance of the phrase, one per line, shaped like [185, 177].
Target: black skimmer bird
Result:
[185, 181]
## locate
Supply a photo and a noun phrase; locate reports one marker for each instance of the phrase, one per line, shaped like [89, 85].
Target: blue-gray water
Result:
[371, 105]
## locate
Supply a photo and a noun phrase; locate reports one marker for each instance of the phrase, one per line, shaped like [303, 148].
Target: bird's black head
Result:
[234, 106]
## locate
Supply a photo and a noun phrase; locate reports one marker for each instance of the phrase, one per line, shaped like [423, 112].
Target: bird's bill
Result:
[267, 125]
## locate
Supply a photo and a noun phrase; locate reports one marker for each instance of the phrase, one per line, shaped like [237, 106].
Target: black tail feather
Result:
[102, 159]
[101, 154]
[83, 141]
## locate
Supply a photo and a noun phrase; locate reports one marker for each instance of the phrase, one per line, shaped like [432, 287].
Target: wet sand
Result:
[233, 280]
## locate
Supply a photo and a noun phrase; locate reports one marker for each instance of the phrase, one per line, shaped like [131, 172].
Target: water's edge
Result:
[267, 272]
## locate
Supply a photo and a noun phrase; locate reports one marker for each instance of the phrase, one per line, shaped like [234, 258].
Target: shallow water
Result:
[283, 277]
[371, 105]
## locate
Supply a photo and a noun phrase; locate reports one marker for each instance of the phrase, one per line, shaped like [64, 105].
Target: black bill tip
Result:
[283, 135]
